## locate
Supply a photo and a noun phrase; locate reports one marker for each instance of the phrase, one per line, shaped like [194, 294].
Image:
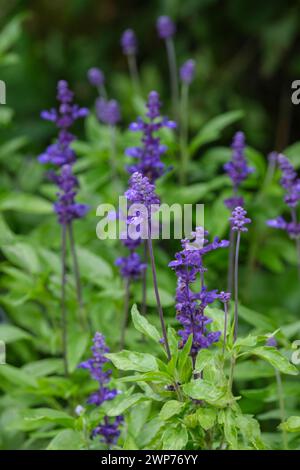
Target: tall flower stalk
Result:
[187, 73]
[108, 429]
[238, 170]
[238, 222]
[166, 30]
[130, 46]
[62, 157]
[142, 193]
[190, 306]
[290, 182]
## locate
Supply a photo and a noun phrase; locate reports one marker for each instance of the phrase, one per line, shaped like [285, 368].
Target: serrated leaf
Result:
[127, 360]
[143, 326]
[170, 408]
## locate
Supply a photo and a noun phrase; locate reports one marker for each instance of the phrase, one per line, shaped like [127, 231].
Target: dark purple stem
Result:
[160, 310]
[294, 218]
[173, 75]
[144, 282]
[236, 285]
[225, 325]
[230, 262]
[126, 313]
[63, 300]
[76, 274]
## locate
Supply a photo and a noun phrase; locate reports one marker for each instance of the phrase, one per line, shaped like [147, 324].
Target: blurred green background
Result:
[247, 52]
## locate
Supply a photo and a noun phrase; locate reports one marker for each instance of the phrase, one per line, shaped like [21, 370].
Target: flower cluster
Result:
[60, 154]
[190, 306]
[187, 71]
[108, 111]
[95, 365]
[131, 266]
[129, 42]
[150, 152]
[237, 169]
[291, 184]
[165, 27]
[96, 77]
[239, 220]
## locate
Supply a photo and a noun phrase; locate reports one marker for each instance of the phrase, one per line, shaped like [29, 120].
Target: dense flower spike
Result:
[95, 365]
[96, 77]
[187, 71]
[66, 207]
[165, 27]
[150, 152]
[237, 169]
[141, 191]
[131, 267]
[191, 306]
[289, 181]
[224, 297]
[239, 220]
[129, 42]
[61, 155]
[108, 111]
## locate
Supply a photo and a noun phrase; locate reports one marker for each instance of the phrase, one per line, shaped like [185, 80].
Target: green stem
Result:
[236, 286]
[184, 133]
[63, 300]
[281, 407]
[134, 74]
[173, 75]
[125, 314]
[225, 325]
[76, 275]
[144, 282]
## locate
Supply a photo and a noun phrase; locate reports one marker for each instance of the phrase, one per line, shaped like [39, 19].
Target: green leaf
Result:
[122, 404]
[127, 360]
[68, 439]
[175, 438]
[48, 415]
[16, 376]
[11, 333]
[206, 417]
[44, 367]
[92, 266]
[247, 342]
[276, 359]
[143, 326]
[212, 129]
[25, 203]
[204, 390]
[23, 255]
[204, 358]
[292, 424]
[77, 345]
[170, 408]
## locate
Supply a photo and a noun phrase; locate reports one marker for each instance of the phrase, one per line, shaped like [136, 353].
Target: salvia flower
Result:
[165, 27]
[224, 297]
[60, 154]
[131, 266]
[108, 429]
[239, 220]
[289, 181]
[271, 341]
[141, 191]
[149, 153]
[66, 208]
[96, 77]
[190, 306]
[237, 168]
[187, 71]
[129, 42]
[108, 111]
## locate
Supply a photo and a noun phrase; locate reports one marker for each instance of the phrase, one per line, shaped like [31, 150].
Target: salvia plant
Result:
[141, 343]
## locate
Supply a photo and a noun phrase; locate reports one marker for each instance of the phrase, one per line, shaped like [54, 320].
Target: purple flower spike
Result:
[187, 71]
[165, 27]
[149, 154]
[108, 111]
[238, 220]
[224, 297]
[141, 191]
[129, 42]
[271, 341]
[190, 306]
[96, 77]
[131, 267]
[108, 429]
[62, 155]
[237, 169]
